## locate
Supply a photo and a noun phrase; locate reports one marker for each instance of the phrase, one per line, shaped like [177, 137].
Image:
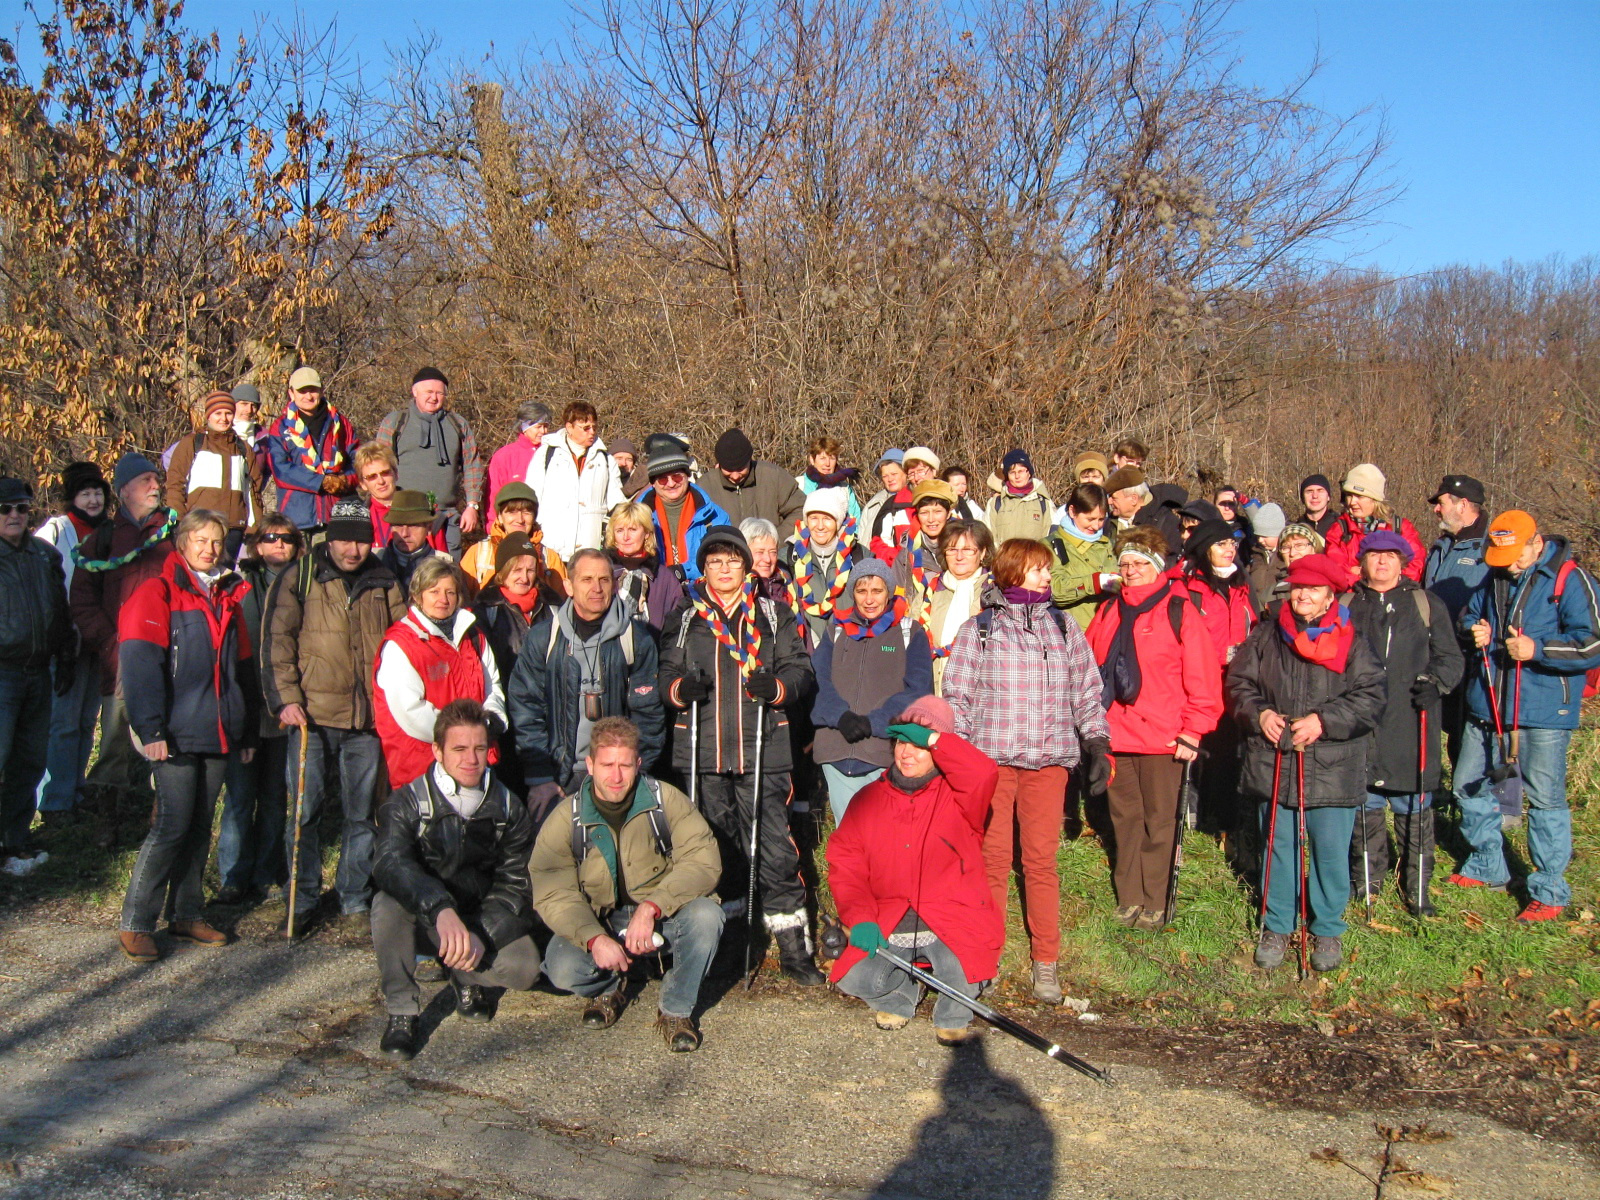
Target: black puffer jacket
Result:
[34, 625]
[1266, 673]
[429, 858]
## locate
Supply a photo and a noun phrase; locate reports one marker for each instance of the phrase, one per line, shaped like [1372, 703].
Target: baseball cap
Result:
[304, 377]
[1508, 534]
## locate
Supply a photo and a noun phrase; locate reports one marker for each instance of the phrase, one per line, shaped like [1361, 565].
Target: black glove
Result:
[66, 674]
[694, 687]
[853, 727]
[762, 686]
[1424, 692]
[1097, 764]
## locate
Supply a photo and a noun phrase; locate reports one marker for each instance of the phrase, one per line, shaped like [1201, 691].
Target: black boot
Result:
[472, 1002]
[1369, 853]
[795, 958]
[1416, 861]
[400, 1038]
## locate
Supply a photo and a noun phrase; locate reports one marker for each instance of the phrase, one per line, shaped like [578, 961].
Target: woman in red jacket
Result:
[906, 870]
[1364, 511]
[1162, 693]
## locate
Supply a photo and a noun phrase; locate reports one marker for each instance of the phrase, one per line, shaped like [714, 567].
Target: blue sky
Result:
[1493, 108]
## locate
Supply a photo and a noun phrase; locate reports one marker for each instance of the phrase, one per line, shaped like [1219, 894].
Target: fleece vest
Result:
[866, 673]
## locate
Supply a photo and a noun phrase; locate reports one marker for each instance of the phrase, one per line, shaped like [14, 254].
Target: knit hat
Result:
[216, 400]
[247, 393]
[1200, 509]
[1320, 480]
[870, 567]
[412, 508]
[733, 451]
[513, 546]
[515, 490]
[304, 377]
[933, 489]
[723, 537]
[664, 454]
[1364, 479]
[1318, 542]
[1205, 535]
[835, 501]
[351, 520]
[80, 475]
[931, 712]
[921, 454]
[1090, 459]
[129, 467]
[1381, 540]
[429, 375]
[15, 491]
[892, 454]
[531, 412]
[1124, 478]
[622, 445]
[1268, 520]
[1016, 457]
[1318, 570]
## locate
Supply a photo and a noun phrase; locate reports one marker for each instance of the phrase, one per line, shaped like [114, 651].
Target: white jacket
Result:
[573, 506]
[61, 533]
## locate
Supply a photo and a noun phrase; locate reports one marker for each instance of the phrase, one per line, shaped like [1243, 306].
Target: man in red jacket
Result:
[906, 870]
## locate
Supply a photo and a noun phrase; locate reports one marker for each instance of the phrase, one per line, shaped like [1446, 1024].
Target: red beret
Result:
[1318, 570]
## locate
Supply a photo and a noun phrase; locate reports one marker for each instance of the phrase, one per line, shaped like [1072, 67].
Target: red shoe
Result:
[1538, 911]
[1467, 881]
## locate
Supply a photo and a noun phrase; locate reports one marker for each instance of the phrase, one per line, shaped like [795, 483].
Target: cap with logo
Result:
[1508, 534]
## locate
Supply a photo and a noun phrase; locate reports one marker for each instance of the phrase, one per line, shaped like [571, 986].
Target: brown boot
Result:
[199, 933]
[140, 947]
[958, 1037]
[602, 1011]
[678, 1032]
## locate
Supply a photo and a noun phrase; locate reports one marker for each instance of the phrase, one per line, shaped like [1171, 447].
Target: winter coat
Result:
[767, 490]
[1455, 568]
[873, 676]
[1161, 514]
[574, 896]
[1321, 524]
[815, 608]
[429, 858]
[188, 671]
[545, 692]
[807, 485]
[61, 531]
[452, 486]
[324, 628]
[1074, 576]
[506, 628]
[1180, 692]
[705, 515]
[1229, 615]
[922, 851]
[1026, 516]
[1269, 578]
[509, 464]
[573, 503]
[1344, 542]
[1565, 633]
[300, 494]
[478, 562]
[218, 471]
[942, 594]
[1267, 673]
[261, 576]
[1407, 647]
[35, 625]
[652, 591]
[98, 590]
[728, 716]
[1024, 689]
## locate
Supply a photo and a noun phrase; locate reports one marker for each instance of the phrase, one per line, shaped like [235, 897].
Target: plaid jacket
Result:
[1027, 692]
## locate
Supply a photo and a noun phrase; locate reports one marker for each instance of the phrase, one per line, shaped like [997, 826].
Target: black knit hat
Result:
[427, 374]
[80, 475]
[350, 521]
[1205, 535]
[665, 454]
[734, 451]
[1321, 480]
[723, 537]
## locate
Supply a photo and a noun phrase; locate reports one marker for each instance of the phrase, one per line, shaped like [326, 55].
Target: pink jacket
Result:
[509, 464]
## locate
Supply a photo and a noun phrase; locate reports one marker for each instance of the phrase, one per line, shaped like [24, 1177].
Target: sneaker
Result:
[1271, 949]
[1537, 910]
[472, 1004]
[1047, 983]
[1127, 914]
[199, 933]
[601, 1012]
[1151, 920]
[679, 1033]
[958, 1037]
[1326, 953]
[400, 1038]
[140, 947]
[890, 1021]
[1467, 881]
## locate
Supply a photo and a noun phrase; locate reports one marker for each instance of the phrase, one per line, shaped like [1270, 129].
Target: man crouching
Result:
[626, 856]
[452, 865]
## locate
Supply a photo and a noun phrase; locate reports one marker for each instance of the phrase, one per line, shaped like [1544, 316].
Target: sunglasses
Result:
[7, 509]
[673, 477]
[278, 537]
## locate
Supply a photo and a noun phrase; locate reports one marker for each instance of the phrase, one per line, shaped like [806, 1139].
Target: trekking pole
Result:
[1177, 842]
[1507, 767]
[755, 850]
[294, 856]
[694, 755]
[1305, 864]
[1005, 1024]
[1422, 813]
[1272, 833]
[1366, 864]
[1516, 711]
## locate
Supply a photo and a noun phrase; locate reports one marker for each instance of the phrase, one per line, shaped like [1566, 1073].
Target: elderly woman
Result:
[517, 509]
[505, 610]
[1161, 685]
[772, 581]
[1366, 510]
[434, 654]
[874, 662]
[956, 596]
[819, 557]
[636, 565]
[902, 867]
[1024, 690]
[1308, 691]
[1294, 543]
[189, 681]
[1085, 570]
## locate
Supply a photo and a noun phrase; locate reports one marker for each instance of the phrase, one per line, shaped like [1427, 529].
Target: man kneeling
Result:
[452, 865]
[621, 856]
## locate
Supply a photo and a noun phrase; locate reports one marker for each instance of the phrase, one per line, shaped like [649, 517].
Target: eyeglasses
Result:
[7, 509]
[386, 473]
[673, 477]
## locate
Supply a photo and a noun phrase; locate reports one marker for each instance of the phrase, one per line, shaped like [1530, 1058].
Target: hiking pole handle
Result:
[1003, 1023]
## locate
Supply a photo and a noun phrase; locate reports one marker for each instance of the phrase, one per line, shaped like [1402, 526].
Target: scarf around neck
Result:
[433, 433]
[1067, 527]
[1120, 674]
[856, 629]
[1327, 643]
[744, 641]
[1021, 595]
[298, 434]
[838, 478]
[160, 533]
[911, 784]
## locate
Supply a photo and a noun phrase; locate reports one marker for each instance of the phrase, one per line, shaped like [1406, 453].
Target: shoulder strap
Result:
[1424, 609]
[302, 579]
[627, 642]
[1562, 572]
[199, 440]
[580, 835]
[1059, 544]
[549, 453]
[400, 425]
[983, 622]
[660, 828]
[1175, 603]
[683, 626]
[549, 649]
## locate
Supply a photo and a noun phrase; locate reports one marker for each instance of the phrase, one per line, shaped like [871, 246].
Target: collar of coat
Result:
[644, 799]
[425, 629]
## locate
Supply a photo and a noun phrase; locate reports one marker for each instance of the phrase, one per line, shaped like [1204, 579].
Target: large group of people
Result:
[587, 704]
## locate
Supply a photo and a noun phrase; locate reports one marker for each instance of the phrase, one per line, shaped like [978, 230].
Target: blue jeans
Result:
[842, 788]
[172, 862]
[691, 934]
[886, 988]
[1328, 834]
[362, 779]
[250, 839]
[72, 725]
[25, 701]
[1542, 757]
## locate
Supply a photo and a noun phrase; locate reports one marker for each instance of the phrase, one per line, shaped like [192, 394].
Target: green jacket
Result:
[1072, 574]
[1026, 516]
[572, 898]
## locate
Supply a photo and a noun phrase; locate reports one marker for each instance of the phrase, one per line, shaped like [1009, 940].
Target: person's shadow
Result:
[990, 1140]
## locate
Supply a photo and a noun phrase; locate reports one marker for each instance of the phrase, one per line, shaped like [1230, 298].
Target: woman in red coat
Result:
[1365, 509]
[906, 870]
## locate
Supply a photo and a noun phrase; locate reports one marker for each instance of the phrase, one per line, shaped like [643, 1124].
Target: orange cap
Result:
[1508, 534]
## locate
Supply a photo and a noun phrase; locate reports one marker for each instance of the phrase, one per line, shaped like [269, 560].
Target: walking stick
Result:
[1305, 864]
[694, 756]
[1422, 813]
[294, 857]
[755, 851]
[1005, 1024]
[1508, 766]
[1516, 712]
[1177, 842]
[1366, 864]
[1272, 834]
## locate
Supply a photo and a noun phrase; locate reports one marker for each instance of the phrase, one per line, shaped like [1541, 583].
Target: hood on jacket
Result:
[1168, 495]
[612, 625]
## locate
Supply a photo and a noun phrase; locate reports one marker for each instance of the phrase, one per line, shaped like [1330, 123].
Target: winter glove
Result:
[66, 674]
[762, 686]
[910, 731]
[1424, 692]
[866, 935]
[694, 687]
[853, 727]
[1099, 766]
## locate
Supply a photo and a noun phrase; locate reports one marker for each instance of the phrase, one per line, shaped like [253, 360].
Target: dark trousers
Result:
[1143, 799]
[395, 939]
[727, 803]
[254, 812]
[25, 705]
[358, 757]
[172, 862]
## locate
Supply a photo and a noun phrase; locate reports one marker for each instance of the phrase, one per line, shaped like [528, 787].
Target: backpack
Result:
[1420, 595]
[626, 640]
[1591, 677]
[427, 806]
[660, 831]
[905, 632]
[550, 452]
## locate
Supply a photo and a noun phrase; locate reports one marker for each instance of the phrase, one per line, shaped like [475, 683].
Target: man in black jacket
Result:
[452, 866]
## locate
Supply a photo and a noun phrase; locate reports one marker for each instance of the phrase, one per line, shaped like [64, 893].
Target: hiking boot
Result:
[1151, 920]
[1537, 910]
[957, 1037]
[795, 959]
[1467, 881]
[429, 970]
[140, 947]
[400, 1038]
[1326, 953]
[229, 895]
[1127, 914]
[602, 1011]
[199, 933]
[1046, 983]
[890, 1021]
[472, 1003]
[679, 1033]
[1271, 949]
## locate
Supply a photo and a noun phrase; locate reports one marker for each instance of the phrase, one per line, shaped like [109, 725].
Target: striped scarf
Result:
[807, 569]
[854, 627]
[160, 534]
[297, 433]
[746, 646]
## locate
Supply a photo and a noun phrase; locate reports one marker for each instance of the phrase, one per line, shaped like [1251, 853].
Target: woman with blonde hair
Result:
[636, 569]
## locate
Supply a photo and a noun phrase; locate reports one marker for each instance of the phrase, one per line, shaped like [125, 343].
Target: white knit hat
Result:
[1364, 479]
[923, 455]
[834, 501]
